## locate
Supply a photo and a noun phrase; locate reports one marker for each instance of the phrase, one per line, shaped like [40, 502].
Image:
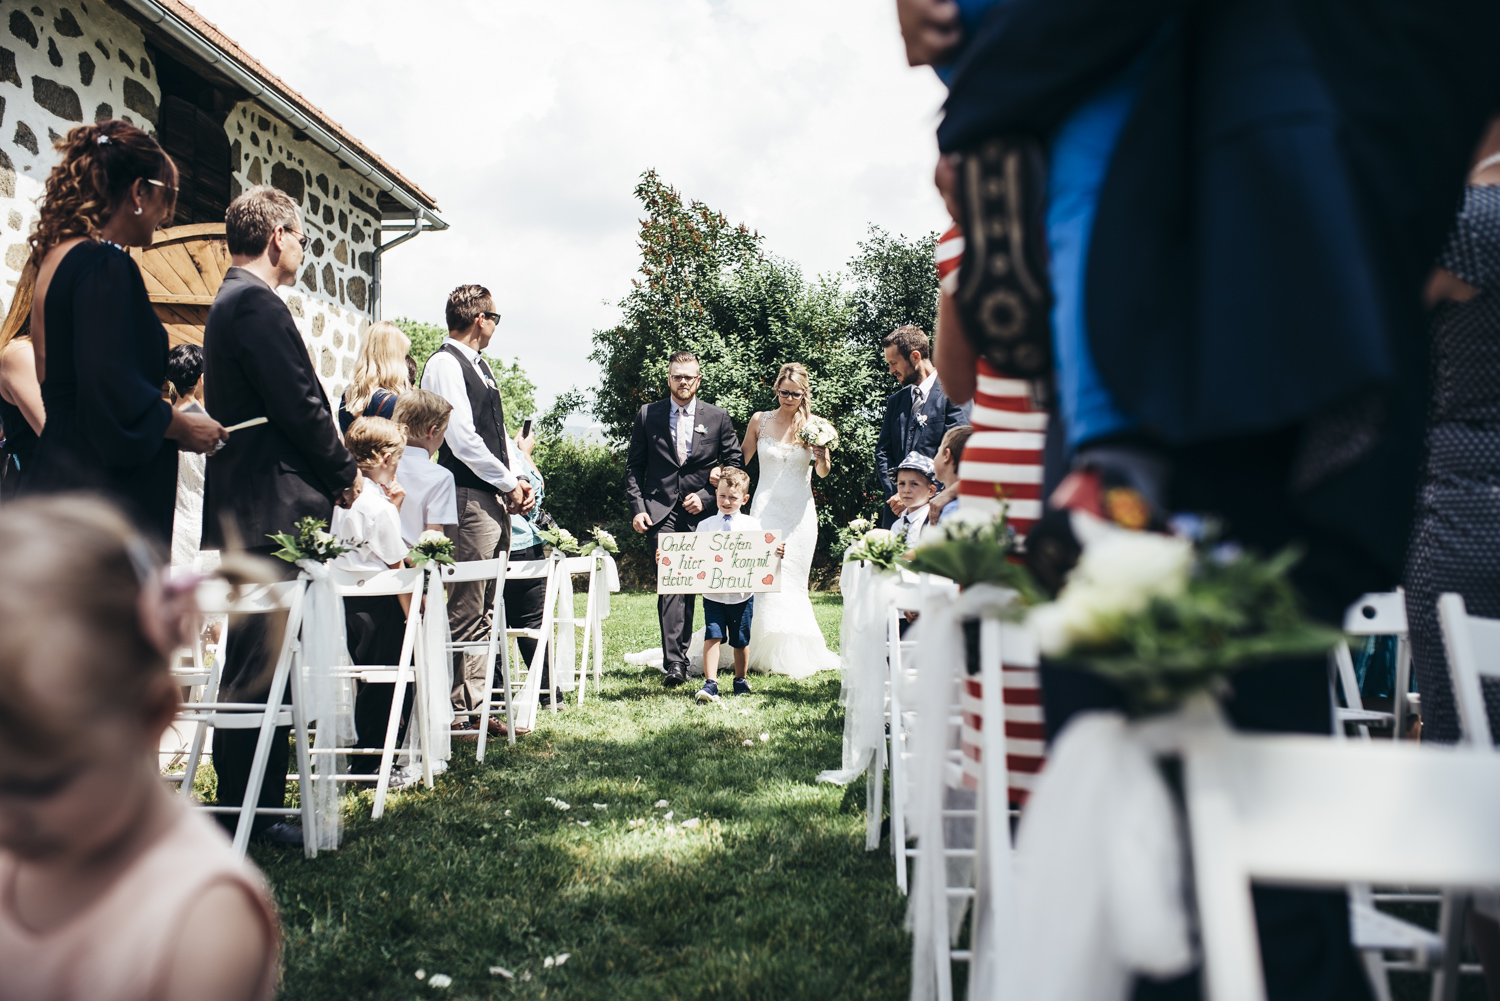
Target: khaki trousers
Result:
[483, 534]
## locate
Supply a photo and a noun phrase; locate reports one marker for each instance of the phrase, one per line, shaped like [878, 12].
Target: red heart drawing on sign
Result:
[702, 574]
[718, 559]
[768, 579]
[770, 537]
[665, 562]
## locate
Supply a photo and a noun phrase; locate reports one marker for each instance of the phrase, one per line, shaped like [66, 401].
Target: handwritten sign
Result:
[717, 562]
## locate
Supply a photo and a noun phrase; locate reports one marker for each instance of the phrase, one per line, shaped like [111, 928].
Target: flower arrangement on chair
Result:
[312, 541]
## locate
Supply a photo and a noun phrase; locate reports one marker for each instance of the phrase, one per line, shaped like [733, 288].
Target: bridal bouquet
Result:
[975, 548]
[601, 540]
[312, 541]
[878, 546]
[1163, 618]
[432, 546]
[560, 539]
[817, 432]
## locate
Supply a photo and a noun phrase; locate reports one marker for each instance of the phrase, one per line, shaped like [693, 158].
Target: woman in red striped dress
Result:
[1002, 464]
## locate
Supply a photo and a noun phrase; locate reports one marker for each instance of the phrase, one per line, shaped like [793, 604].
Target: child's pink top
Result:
[118, 948]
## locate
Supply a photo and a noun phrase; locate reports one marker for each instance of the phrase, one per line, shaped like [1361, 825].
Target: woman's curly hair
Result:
[99, 164]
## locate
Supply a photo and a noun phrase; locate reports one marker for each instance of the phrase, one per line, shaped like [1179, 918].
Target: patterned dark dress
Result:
[1455, 542]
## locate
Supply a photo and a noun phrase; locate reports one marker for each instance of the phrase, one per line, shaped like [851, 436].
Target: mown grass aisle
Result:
[771, 896]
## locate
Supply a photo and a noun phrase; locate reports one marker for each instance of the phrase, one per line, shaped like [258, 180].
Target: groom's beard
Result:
[911, 378]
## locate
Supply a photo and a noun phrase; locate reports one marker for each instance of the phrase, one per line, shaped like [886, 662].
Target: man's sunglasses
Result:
[492, 317]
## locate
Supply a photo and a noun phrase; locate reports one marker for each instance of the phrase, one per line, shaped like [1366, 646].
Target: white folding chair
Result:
[1473, 648]
[523, 682]
[1299, 811]
[901, 720]
[1381, 614]
[381, 583]
[210, 713]
[591, 648]
[492, 647]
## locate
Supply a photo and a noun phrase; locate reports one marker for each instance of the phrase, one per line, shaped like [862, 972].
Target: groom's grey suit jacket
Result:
[655, 482]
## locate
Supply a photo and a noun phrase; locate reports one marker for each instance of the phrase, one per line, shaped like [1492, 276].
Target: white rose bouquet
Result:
[433, 546]
[819, 433]
[1163, 618]
[601, 540]
[879, 547]
[560, 539]
[312, 541]
[851, 533]
[972, 547]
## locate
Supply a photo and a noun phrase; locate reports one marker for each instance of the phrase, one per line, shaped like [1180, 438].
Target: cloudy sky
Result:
[529, 123]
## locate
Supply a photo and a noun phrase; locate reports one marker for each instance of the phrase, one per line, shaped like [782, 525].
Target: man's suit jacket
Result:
[255, 364]
[901, 433]
[655, 482]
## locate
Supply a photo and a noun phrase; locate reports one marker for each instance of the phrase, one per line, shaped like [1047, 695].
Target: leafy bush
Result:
[517, 391]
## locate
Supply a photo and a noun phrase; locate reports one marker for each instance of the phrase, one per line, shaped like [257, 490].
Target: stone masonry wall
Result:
[61, 65]
[331, 300]
[75, 61]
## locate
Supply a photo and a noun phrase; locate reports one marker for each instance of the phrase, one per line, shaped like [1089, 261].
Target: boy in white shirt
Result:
[374, 626]
[431, 499]
[727, 616]
[916, 482]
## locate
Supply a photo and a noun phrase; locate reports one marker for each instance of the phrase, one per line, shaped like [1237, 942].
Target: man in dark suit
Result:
[916, 416]
[674, 447]
[255, 364]
[1282, 177]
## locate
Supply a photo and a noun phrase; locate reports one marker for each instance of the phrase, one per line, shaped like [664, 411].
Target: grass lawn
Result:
[772, 896]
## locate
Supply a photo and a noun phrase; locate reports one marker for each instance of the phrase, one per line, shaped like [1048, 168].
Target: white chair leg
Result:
[1451, 922]
[897, 763]
[304, 767]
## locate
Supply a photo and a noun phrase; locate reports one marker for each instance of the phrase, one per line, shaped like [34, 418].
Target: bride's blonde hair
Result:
[797, 375]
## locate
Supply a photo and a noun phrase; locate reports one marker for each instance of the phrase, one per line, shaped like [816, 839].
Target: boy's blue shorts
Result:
[727, 622]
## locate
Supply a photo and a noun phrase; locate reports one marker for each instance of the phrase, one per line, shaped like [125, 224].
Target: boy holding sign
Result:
[727, 616]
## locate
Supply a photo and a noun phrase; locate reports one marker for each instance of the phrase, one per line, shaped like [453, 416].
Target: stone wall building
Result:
[227, 122]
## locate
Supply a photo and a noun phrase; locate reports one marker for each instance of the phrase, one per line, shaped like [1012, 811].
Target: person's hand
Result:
[910, 616]
[527, 443]
[196, 432]
[944, 497]
[692, 504]
[713, 476]
[781, 551]
[395, 493]
[931, 30]
[894, 503]
[945, 176]
[641, 522]
[519, 500]
[351, 492]
[820, 454]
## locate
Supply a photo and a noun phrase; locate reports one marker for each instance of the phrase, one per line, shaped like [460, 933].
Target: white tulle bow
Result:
[329, 696]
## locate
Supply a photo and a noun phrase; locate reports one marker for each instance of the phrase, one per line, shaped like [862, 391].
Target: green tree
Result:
[517, 391]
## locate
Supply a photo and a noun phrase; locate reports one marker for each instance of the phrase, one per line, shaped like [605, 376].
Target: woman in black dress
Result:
[21, 412]
[101, 353]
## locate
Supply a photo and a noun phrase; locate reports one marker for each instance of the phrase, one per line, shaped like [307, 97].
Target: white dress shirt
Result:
[909, 526]
[737, 522]
[371, 520]
[444, 377]
[430, 495]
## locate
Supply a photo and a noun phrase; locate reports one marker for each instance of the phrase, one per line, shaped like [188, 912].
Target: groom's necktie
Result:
[684, 435]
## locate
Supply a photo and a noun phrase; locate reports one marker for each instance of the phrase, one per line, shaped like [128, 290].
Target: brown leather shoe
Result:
[465, 728]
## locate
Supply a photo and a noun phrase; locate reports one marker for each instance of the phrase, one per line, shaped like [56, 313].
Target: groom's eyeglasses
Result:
[789, 394]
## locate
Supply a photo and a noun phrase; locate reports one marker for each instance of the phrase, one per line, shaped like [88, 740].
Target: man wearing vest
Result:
[476, 450]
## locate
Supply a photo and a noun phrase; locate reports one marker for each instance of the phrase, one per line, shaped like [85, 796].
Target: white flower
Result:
[878, 535]
[440, 980]
[922, 419]
[701, 429]
[604, 537]
[859, 526]
[431, 535]
[1117, 575]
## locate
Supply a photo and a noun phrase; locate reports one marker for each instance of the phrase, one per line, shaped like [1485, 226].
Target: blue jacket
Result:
[1276, 199]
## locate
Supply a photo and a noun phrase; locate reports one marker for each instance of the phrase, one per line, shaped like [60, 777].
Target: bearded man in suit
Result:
[674, 447]
[916, 416]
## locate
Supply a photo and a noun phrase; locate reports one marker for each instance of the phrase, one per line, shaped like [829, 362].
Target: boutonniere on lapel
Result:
[700, 429]
[922, 419]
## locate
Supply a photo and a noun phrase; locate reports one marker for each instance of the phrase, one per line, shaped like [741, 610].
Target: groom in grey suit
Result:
[674, 446]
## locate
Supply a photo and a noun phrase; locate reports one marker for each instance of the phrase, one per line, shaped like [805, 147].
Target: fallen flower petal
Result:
[584, 823]
[558, 803]
[421, 974]
[668, 815]
[601, 806]
[547, 962]
[690, 823]
[765, 737]
[500, 971]
[562, 957]
[440, 980]
[661, 804]
[749, 742]
[637, 822]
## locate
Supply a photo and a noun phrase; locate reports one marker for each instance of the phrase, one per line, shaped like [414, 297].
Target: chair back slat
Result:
[374, 583]
[1473, 648]
[1378, 614]
[472, 570]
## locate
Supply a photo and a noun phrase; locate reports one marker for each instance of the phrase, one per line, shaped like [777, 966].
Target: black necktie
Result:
[489, 377]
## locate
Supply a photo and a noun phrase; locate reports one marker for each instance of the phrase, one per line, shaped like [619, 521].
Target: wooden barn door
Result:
[183, 269]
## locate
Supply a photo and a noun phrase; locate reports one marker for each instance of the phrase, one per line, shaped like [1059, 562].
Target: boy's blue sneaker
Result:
[741, 686]
[709, 692]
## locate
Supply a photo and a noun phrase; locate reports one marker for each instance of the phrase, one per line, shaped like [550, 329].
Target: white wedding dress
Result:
[784, 635]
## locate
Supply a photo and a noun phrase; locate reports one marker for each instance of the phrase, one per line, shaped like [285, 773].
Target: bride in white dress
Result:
[784, 635]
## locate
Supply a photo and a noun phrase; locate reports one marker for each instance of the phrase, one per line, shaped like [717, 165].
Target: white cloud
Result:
[530, 123]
